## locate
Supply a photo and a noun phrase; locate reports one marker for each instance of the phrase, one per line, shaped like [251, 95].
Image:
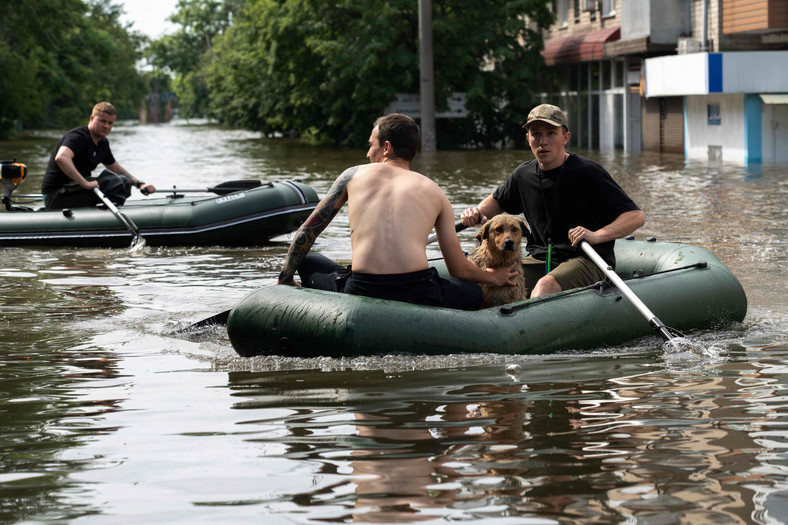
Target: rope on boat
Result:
[599, 285]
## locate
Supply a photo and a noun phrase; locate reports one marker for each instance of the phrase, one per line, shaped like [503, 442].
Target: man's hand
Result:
[291, 282]
[89, 184]
[147, 189]
[472, 217]
[579, 233]
[504, 276]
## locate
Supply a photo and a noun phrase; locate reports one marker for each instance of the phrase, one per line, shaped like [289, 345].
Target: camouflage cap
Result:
[553, 115]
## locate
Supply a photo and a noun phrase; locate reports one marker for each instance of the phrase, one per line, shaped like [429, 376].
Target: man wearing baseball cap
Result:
[566, 199]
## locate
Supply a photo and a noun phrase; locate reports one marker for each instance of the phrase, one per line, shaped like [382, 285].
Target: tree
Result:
[60, 57]
[325, 70]
[186, 51]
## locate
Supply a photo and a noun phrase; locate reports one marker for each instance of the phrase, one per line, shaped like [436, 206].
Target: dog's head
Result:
[503, 233]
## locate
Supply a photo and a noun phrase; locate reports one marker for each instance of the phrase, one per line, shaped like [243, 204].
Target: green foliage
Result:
[325, 70]
[186, 51]
[318, 69]
[59, 57]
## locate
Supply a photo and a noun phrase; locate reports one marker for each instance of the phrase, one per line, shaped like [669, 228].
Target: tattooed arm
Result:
[321, 217]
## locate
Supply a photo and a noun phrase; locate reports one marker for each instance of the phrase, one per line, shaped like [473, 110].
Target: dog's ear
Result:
[526, 231]
[484, 232]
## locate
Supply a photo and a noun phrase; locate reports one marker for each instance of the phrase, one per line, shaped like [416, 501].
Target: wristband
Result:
[139, 184]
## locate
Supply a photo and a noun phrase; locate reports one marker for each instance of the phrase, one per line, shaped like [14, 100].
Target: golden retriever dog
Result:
[499, 245]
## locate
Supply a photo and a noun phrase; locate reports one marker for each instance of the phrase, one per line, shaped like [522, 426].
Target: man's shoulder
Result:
[584, 162]
[79, 131]
[528, 164]
[77, 135]
[527, 168]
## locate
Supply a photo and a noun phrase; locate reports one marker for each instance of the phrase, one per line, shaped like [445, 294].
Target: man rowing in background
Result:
[68, 182]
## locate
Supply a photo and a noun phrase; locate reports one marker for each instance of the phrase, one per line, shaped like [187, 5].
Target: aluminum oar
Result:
[137, 241]
[666, 332]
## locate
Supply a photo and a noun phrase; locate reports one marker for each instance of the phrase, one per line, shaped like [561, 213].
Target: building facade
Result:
[707, 78]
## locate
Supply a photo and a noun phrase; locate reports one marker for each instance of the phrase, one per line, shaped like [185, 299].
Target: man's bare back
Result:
[392, 211]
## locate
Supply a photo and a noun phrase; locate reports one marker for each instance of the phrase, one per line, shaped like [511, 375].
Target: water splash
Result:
[679, 345]
[682, 349]
[513, 371]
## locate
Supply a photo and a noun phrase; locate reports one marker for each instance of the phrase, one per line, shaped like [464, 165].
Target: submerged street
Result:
[108, 416]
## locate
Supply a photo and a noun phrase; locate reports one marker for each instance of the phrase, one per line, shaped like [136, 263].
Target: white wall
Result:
[675, 75]
[755, 72]
[729, 135]
[742, 72]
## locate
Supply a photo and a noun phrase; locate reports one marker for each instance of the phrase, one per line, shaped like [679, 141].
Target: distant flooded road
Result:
[107, 417]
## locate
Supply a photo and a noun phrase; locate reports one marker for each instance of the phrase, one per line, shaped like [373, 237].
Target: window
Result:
[576, 8]
[608, 7]
[562, 12]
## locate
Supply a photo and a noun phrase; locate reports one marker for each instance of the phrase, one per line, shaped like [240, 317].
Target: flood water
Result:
[107, 417]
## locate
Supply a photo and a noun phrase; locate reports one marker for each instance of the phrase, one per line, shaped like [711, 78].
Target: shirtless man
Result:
[392, 211]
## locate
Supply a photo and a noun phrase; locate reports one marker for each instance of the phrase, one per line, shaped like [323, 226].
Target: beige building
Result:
[699, 77]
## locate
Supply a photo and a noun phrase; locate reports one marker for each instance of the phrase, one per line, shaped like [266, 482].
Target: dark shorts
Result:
[116, 188]
[72, 195]
[423, 287]
[572, 273]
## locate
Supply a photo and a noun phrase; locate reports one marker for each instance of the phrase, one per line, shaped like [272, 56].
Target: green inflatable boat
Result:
[237, 213]
[685, 286]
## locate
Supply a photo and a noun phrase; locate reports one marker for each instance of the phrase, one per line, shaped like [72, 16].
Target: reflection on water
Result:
[640, 443]
[107, 417]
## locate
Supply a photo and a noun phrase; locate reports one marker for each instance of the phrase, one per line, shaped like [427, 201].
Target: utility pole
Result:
[427, 86]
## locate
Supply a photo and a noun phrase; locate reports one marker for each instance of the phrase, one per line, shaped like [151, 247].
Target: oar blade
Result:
[219, 319]
[235, 185]
[137, 244]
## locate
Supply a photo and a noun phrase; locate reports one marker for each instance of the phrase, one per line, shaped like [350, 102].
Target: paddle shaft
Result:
[627, 291]
[458, 227]
[121, 217]
[205, 190]
[221, 189]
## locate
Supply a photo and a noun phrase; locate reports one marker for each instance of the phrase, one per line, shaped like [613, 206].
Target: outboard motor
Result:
[13, 173]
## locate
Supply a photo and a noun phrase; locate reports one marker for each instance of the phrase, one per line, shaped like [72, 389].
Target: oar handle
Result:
[626, 290]
[458, 227]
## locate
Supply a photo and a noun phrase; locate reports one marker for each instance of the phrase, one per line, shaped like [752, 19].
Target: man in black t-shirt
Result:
[565, 199]
[67, 181]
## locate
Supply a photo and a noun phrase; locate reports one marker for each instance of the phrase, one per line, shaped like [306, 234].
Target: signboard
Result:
[410, 105]
[714, 115]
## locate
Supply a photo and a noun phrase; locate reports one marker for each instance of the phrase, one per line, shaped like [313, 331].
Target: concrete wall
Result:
[663, 21]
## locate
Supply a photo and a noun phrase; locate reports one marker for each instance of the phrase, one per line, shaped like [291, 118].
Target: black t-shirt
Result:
[87, 156]
[586, 196]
